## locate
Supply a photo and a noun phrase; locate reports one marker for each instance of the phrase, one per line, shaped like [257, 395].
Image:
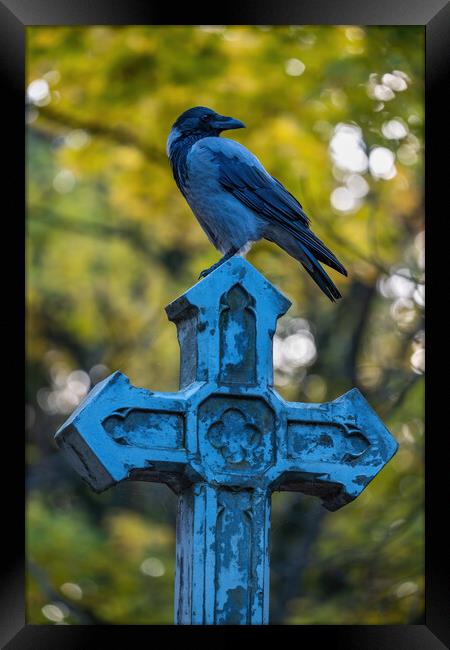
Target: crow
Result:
[236, 201]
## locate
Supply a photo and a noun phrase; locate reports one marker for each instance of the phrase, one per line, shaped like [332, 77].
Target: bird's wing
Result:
[242, 174]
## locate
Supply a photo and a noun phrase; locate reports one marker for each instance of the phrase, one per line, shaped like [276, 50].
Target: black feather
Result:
[269, 198]
[321, 278]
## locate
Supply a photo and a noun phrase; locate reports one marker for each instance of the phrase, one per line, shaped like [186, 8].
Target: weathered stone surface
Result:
[224, 442]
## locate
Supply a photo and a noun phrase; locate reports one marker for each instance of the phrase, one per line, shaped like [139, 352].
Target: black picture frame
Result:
[15, 16]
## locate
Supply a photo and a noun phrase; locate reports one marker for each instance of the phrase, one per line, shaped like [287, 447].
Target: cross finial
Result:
[223, 336]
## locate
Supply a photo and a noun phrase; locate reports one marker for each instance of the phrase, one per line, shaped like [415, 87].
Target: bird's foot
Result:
[206, 272]
[215, 266]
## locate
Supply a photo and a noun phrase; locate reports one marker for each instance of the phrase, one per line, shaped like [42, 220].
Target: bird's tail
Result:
[309, 240]
[301, 252]
[321, 278]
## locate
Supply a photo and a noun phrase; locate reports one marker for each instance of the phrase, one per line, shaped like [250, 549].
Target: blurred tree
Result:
[337, 114]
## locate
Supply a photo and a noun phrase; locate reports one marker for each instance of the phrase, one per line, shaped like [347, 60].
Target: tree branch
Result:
[132, 234]
[300, 530]
[390, 408]
[80, 612]
[354, 250]
[116, 134]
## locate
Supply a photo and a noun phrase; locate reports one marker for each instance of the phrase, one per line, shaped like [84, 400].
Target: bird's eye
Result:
[205, 118]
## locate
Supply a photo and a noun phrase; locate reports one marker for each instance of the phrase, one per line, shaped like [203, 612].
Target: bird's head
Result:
[204, 121]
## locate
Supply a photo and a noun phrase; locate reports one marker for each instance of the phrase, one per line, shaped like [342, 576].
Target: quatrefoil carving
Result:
[236, 439]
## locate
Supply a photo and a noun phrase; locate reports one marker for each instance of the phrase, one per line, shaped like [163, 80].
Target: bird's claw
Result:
[215, 266]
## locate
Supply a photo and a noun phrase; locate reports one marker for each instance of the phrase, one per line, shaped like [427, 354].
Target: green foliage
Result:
[110, 242]
[122, 570]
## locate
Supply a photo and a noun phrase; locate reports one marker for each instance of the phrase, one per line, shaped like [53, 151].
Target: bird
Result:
[236, 201]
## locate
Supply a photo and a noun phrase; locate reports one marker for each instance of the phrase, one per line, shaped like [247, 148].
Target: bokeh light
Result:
[381, 163]
[38, 92]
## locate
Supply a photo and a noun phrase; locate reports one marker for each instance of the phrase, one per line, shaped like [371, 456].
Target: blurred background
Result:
[336, 113]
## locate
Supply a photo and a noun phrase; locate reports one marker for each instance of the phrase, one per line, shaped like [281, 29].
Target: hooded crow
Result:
[236, 201]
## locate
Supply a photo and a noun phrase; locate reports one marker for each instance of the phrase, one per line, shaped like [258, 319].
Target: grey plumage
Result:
[236, 201]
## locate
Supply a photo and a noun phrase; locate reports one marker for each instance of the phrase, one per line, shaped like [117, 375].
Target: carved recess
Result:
[236, 439]
[237, 327]
[234, 578]
[145, 428]
[236, 434]
[328, 441]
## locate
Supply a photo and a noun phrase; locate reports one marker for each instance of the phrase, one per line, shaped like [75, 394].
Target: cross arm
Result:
[123, 432]
[333, 450]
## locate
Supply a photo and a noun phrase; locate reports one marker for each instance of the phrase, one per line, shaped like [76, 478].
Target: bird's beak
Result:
[223, 123]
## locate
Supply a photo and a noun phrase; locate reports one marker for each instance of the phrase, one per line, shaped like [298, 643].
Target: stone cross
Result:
[224, 442]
